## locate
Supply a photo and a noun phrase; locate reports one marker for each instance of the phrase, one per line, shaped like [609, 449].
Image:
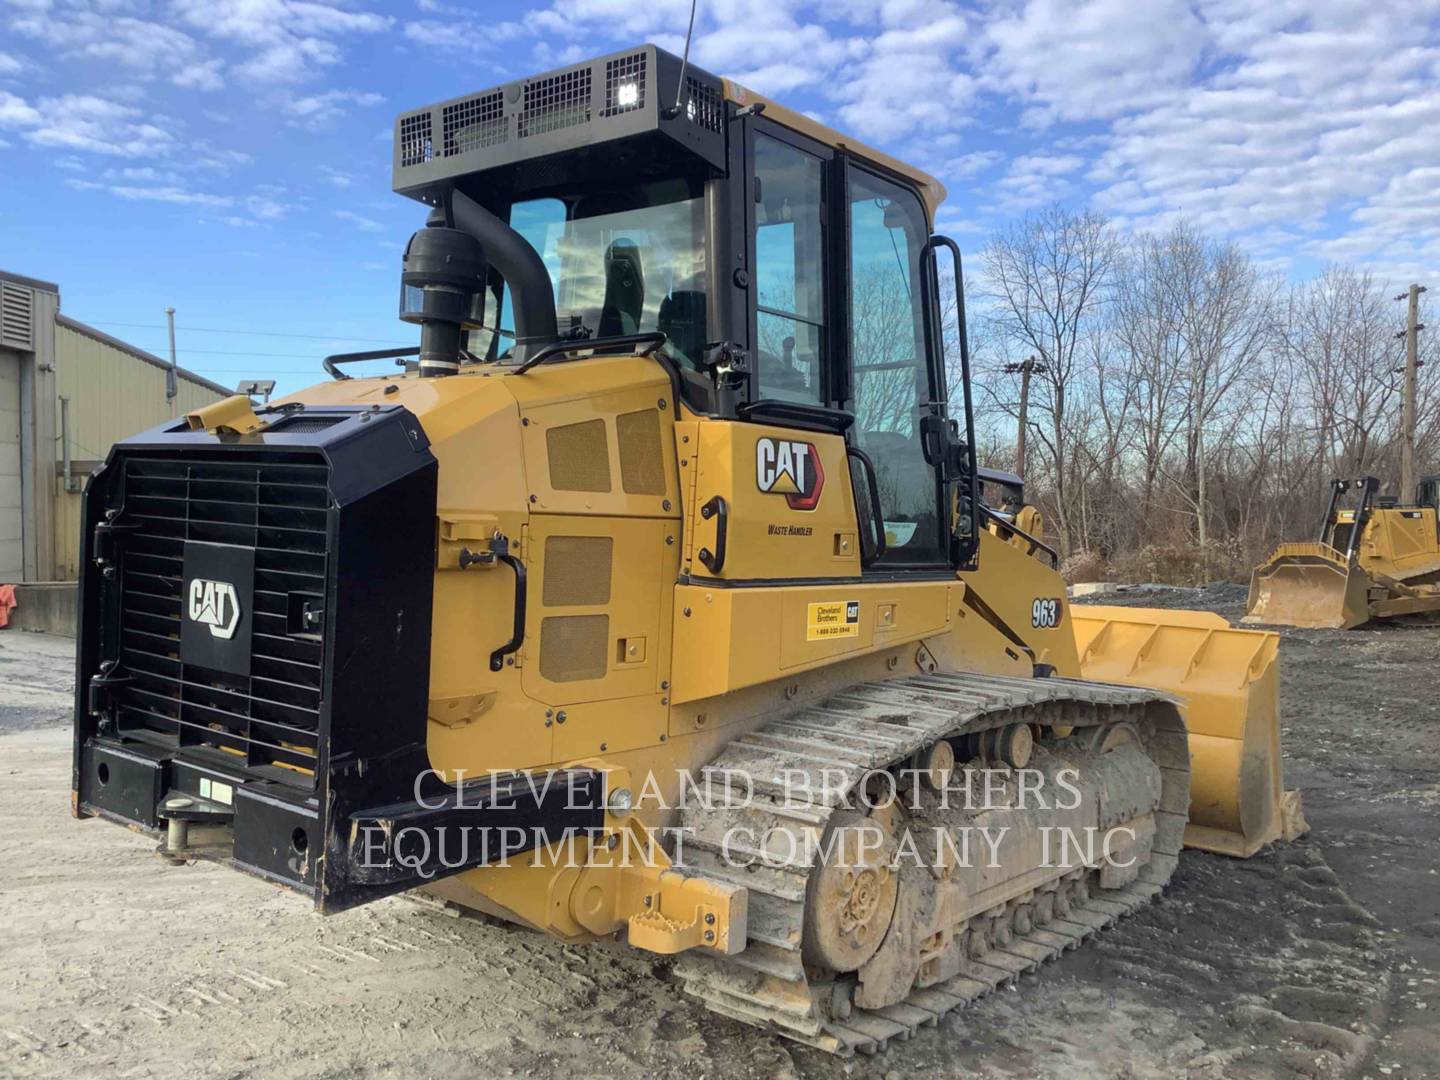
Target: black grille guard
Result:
[253, 657]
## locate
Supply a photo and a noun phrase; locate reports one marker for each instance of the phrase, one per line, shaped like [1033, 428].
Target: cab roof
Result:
[931, 189]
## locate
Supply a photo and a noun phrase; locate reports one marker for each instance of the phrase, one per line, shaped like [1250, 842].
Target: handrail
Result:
[877, 550]
[930, 261]
[1033, 541]
[555, 349]
[330, 362]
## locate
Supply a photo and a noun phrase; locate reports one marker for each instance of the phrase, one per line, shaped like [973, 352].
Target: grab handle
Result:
[715, 560]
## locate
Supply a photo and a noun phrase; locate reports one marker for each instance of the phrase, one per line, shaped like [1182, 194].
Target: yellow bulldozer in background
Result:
[1374, 559]
[662, 550]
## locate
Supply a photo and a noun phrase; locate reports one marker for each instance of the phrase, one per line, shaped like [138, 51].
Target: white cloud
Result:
[147, 48]
[10, 65]
[152, 185]
[315, 110]
[977, 161]
[1297, 127]
[165, 194]
[144, 173]
[908, 80]
[217, 159]
[265, 206]
[1036, 179]
[89, 123]
[15, 112]
[889, 68]
[201, 75]
[460, 34]
[364, 224]
[286, 41]
[1097, 58]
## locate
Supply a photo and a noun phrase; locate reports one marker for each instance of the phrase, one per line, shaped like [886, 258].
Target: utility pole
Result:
[1029, 366]
[1411, 334]
[172, 389]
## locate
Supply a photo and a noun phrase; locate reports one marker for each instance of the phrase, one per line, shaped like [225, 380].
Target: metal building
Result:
[67, 392]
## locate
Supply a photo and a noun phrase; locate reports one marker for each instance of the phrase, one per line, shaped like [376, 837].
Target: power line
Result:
[238, 371]
[184, 352]
[250, 333]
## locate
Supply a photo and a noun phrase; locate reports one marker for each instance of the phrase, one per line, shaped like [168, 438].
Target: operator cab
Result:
[782, 272]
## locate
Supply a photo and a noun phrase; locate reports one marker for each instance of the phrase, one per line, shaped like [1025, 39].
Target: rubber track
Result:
[873, 726]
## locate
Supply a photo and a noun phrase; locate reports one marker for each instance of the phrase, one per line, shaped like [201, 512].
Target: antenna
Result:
[674, 110]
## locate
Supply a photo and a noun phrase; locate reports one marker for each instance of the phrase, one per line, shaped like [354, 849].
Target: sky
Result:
[231, 158]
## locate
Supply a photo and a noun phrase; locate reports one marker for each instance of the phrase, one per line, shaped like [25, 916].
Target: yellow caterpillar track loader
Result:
[653, 594]
[1373, 559]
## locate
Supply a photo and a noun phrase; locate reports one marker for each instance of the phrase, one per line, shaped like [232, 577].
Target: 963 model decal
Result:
[1045, 613]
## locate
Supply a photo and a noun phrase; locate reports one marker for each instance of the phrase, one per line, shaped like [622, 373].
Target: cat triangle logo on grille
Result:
[214, 604]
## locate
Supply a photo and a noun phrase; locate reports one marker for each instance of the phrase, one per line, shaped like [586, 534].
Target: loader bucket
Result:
[1229, 684]
[1309, 585]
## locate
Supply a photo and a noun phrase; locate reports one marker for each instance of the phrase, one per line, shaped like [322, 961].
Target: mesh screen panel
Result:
[474, 123]
[642, 472]
[555, 102]
[574, 647]
[702, 104]
[415, 139]
[577, 570]
[579, 457]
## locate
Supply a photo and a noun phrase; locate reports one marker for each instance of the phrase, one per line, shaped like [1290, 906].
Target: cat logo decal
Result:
[790, 468]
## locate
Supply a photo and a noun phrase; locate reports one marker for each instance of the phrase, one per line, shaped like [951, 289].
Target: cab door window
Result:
[789, 272]
[891, 377]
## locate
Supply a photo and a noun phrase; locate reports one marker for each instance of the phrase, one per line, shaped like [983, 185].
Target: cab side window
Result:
[789, 272]
[891, 386]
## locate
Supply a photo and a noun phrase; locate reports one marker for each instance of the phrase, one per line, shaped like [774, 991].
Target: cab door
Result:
[896, 385]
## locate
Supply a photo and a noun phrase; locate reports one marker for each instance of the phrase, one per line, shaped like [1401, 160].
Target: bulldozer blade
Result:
[1229, 683]
[1308, 585]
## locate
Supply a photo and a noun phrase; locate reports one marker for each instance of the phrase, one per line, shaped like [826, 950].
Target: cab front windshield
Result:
[630, 260]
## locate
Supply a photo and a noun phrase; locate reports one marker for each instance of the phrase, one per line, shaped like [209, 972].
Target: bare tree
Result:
[1048, 277]
[1225, 324]
[1150, 348]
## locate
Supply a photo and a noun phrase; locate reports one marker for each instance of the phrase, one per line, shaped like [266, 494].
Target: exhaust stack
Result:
[532, 296]
[444, 272]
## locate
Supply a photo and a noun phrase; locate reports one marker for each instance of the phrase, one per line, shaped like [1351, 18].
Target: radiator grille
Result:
[702, 104]
[415, 139]
[555, 102]
[304, 425]
[268, 721]
[474, 123]
[624, 84]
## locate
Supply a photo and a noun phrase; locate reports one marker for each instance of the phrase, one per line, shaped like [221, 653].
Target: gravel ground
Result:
[1315, 959]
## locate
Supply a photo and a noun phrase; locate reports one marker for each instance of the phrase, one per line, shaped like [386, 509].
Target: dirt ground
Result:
[1316, 959]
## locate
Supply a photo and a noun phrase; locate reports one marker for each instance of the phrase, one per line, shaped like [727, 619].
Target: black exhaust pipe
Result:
[532, 296]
